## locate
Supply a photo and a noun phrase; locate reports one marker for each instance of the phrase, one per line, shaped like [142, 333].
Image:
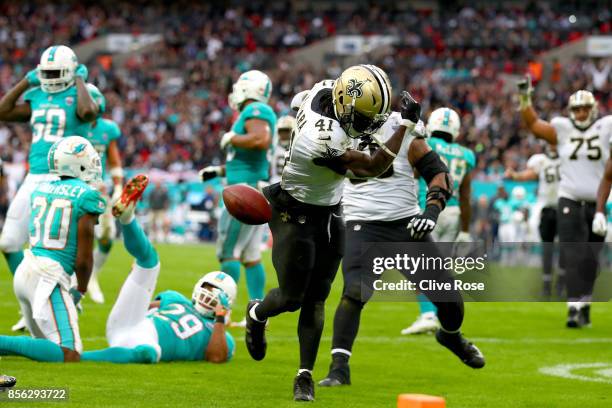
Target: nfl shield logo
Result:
[69, 100]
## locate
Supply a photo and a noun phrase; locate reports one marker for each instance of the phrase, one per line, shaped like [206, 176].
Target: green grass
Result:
[517, 339]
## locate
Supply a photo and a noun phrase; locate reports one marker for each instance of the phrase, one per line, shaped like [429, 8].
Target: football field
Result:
[532, 360]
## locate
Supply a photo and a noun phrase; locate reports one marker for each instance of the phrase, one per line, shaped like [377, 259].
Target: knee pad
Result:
[351, 302]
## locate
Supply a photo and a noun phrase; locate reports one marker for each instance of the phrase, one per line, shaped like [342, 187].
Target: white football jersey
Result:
[548, 178]
[583, 155]
[390, 196]
[315, 136]
[279, 157]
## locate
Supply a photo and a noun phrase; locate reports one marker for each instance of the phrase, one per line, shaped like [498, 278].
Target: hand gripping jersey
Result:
[100, 136]
[56, 209]
[460, 161]
[54, 115]
[390, 196]
[249, 165]
[583, 154]
[548, 178]
[317, 135]
[183, 333]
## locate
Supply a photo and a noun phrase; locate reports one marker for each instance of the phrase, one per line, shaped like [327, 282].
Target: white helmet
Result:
[56, 69]
[583, 98]
[205, 299]
[75, 156]
[251, 85]
[519, 193]
[444, 120]
[285, 123]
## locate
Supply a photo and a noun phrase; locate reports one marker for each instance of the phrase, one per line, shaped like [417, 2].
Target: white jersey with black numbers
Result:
[583, 155]
[316, 136]
[390, 196]
[547, 169]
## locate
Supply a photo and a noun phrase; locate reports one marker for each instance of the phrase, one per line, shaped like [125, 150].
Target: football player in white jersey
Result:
[306, 220]
[284, 127]
[544, 167]
[381, 210]
[583, 144]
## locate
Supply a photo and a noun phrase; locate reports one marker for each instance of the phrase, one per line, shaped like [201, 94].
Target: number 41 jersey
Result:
[583, 155]
[183, 333]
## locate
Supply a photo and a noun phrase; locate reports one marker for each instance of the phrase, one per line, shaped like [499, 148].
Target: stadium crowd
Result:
[171, 102]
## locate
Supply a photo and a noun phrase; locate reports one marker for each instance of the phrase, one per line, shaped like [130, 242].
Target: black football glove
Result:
[424, 223]
[410, 108]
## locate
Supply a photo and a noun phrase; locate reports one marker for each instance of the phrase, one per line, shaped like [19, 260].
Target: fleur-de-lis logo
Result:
[354, 88]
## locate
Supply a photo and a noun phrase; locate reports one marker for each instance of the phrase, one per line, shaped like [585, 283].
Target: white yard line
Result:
[565, 371]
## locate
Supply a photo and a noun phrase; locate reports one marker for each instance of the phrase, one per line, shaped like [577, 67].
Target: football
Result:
[247, 204]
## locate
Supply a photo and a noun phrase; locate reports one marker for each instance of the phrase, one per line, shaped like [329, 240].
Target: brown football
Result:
[247, 204]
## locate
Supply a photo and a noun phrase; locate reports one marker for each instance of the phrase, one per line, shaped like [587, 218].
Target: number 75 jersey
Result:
[583, 155]
[54, 115]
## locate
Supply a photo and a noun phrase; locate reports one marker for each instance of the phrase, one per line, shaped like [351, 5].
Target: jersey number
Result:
[51, 129]
[187, 325]
[551, 174]
[51, 228]
[593, 147]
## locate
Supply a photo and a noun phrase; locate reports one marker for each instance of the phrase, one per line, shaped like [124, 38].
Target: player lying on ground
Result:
[171, 327]
[63, 216]
[383, 209]
[583, 143]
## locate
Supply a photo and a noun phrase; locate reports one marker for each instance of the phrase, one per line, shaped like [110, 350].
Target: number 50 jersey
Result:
[583, 155]
[54, 115]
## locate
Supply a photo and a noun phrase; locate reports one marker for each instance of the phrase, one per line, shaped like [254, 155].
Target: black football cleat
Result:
[339, 374]
[255, 335]
[303, 387]
[585, 315]
[573, 318]
[462, 348]
[6, 382]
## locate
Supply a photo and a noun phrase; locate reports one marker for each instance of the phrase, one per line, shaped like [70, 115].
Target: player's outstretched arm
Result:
[10, 111]
[113, 160]
[525, 175]
[87, 109]
[217, 350]
[540, 128]
[84, 260]
[465, 193]
[258, 136]
[603, 192]
[365, 166]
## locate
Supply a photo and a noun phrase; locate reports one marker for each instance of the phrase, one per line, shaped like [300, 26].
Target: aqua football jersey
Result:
[54, 115]
[460, 161]
[248, 165]
[56, 208]
[183, 333]
[100, 136]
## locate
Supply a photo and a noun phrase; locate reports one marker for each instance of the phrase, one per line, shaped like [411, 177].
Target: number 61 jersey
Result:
[54, 115]
[583, 155]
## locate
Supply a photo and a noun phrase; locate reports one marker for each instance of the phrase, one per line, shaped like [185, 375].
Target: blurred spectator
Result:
[159, 203]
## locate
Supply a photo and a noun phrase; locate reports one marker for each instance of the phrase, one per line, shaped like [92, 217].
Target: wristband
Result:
[116, 172]
[220, 319]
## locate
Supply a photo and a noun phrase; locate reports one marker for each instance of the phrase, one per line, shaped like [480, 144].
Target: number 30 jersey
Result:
[317, 137]
[183, 333]
[54, 115]
[390, 196]
[56, 208]
[583, 155]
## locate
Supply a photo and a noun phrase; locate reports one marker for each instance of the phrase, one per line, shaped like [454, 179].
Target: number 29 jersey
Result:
[583, 155]
[183, 333]
[54, 115]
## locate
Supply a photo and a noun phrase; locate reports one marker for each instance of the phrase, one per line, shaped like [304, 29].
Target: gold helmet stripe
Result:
[382, 84]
